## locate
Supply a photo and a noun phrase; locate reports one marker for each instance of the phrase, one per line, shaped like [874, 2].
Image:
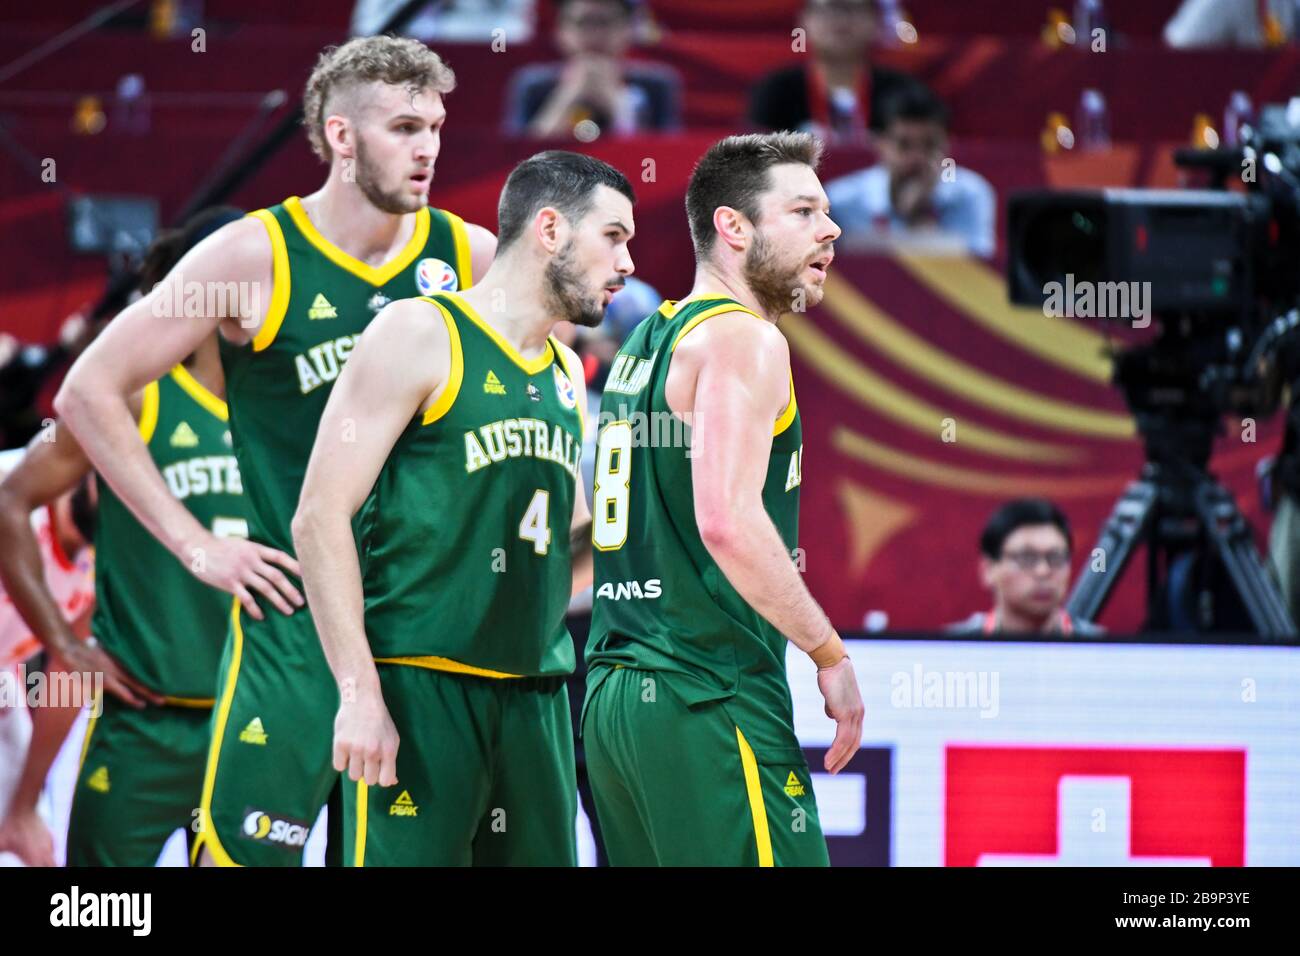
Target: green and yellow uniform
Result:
[466, 570]
[142, 770]
[270, 767]
[688, 725]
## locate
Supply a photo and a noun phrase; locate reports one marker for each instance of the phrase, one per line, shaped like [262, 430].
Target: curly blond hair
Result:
[398, 61]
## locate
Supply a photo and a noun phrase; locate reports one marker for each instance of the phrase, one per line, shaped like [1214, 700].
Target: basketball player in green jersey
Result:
[446, 632]
[688, 724]
[142, 766]
[291, 288]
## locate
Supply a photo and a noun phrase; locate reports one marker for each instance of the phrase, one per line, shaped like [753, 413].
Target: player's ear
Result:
[548, 225]
[987, 577]
[340, 136]
[732, 227]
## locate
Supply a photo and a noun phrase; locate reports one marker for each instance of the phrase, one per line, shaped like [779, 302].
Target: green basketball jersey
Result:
[465, 538]
[321, 302]
[151, 613]
[661, 602]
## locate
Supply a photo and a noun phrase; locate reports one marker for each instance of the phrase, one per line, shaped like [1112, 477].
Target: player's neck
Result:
[509, 298]
[841, 71]
[344, 216]
[712, 280]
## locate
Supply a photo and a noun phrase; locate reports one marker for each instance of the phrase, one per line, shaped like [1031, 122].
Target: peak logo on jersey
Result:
[183, 436]
[98, 781]
[793, 788]
[630, 590]
[403, 806]
[254, 733]
[492, 385]
[534, 392]
[321, 308]
[284, 832]
[434, 275]
[564, 389]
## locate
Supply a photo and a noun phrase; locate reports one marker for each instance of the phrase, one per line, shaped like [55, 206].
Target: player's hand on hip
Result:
[366, 742]
[245, 568]
[77, 657]
[839, 687]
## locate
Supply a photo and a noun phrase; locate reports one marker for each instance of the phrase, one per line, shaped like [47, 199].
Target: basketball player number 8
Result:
[612, 491]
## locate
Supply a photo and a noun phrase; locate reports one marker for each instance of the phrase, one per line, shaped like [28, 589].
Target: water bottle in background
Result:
[1088, 16]
[1238, 113]
[1092, 126]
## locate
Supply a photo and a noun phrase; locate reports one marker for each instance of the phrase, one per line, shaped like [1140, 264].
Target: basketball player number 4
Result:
[612, 490]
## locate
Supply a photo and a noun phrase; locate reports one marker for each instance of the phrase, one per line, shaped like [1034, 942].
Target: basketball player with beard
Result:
[444, 623]
[688, 723]
[290, 288]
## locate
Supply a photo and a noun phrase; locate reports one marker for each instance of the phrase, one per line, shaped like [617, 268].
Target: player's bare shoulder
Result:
[410, 341]
[237, 260]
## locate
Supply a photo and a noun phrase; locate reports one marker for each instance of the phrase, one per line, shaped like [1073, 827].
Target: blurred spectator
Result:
[1025, 562]
[595, 89]
[916, 195]
[836, 92]
[455, 21]
[1242, 23]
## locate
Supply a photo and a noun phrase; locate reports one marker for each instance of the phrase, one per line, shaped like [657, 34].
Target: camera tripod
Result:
[1189, 523]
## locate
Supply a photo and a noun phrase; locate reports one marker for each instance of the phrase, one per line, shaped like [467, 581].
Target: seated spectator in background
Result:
[595, 89]
[836, 92]
[1025, 562]
[909, 198]
[1231, 23]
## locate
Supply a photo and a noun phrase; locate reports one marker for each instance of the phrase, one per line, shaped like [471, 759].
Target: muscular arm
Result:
[737, 372]
[741, 386]
[392, 373]
[140, 345]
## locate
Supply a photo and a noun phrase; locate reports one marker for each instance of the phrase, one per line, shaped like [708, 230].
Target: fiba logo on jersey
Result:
[564, 389]
[434, 275]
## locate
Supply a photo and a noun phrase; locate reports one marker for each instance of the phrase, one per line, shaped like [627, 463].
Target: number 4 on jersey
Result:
[536, 526]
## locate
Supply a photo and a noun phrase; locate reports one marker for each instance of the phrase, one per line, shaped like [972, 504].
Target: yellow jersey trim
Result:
[198, 703]
[729, 306]
[375, 275]
[85, 744]
[442, 405]
[447, 665]
[363, 805]
[149, 412]
[578, 379]
[787, 416]
[195, 390]
[207, 832]
[464, 257]
[530, 366]
[754, 788]
[280, 285]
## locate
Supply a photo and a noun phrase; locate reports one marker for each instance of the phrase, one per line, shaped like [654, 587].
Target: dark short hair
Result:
[916, 103]
[558, 178]
[1021, 513]
[734, 172]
